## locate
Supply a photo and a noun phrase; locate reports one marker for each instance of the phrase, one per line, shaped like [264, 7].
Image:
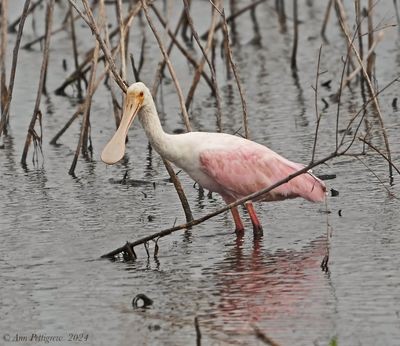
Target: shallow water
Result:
[55, 227]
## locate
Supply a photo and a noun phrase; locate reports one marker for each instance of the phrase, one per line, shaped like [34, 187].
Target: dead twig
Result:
[29, 137]
[374, 98]
[236, 74]
[3, 52]
[185, 114]
[204, 59]
[6, 111]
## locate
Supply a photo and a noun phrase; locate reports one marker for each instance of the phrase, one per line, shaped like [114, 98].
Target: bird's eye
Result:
[141, 94]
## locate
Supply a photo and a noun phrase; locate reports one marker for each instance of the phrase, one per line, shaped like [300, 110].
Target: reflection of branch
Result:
[263, 337]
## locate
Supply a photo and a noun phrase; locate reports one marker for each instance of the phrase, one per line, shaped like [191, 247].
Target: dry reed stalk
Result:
[344, 26]
[6, 111]
[116, 106]
[293, 62]
[326, 18]
[122, 36]
[371, 58]
[204, 59]
[74, 48]
[374, 98]
[84, 135]
[3, 52]
[185, 115]
[318, 115]
[36, 112]
[184, 51]
[235, 73]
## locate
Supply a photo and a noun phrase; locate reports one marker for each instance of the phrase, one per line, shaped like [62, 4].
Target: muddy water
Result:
[54, 227]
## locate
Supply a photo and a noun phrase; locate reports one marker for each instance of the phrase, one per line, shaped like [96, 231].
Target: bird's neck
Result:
[151, 124]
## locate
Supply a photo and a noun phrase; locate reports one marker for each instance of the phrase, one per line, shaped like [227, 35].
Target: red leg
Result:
[239, 228]
[257, 228]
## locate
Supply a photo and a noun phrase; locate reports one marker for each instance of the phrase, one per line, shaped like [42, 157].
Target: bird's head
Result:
[137, 97]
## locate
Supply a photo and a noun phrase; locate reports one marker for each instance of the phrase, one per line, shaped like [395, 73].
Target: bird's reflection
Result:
[257, 287]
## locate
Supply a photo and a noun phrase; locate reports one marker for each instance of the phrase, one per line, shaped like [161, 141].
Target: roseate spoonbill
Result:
[232, 166]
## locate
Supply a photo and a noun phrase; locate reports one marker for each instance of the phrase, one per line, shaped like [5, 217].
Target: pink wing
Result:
[251, 167]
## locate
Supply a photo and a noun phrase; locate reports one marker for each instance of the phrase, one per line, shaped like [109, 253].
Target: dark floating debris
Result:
[141, 301]
[334, 193]
[340, 212]
[348, 131]
[64, 65]
[326, 104]
[154, 327]
[326, 176]
[131, 182]
[327, 84]
[394, 104]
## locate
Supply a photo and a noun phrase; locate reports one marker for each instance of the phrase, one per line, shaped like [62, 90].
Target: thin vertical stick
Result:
[293, 64]
[235, 73]
[317, 113]
[204, 59]
[371, 58]
[121, 39]
[6, 112]
[326, 18]
[3, 51]
[170, 68]
[83, 138]
[375, 101]
[74, 48]
[36, 111]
